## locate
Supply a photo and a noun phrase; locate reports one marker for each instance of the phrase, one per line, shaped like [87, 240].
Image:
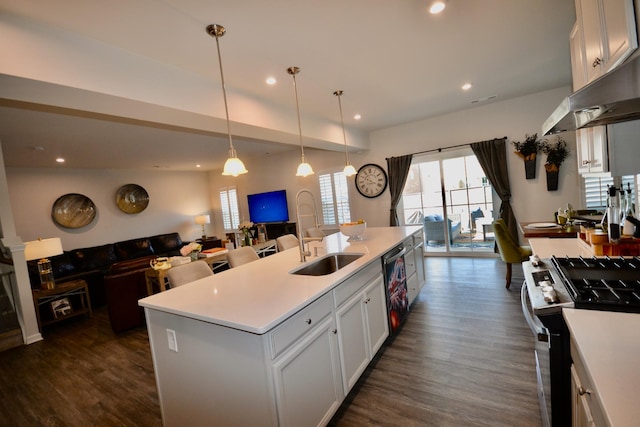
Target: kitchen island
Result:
[256, 345]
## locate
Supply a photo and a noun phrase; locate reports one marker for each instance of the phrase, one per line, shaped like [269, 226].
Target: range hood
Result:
[612, 98]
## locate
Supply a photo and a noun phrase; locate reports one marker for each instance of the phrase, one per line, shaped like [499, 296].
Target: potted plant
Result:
[528, 150]
[556, 153]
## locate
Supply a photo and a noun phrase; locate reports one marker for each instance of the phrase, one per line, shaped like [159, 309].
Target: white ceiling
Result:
[395, 62]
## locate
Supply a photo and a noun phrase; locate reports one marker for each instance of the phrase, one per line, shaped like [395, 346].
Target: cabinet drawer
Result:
[299, 324]
[408, 244]
[410, 263]
[354, 283]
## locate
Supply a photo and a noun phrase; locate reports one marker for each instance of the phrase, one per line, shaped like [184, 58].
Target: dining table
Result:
[548, 229]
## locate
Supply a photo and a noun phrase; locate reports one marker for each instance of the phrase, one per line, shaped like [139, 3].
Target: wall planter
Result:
[556, 153]
[530, 164]
[528, 150]
[552, 178]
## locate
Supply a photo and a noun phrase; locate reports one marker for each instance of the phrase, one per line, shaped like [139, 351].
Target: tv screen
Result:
[268, 207]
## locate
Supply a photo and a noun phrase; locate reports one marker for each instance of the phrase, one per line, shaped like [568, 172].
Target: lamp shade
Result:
[42, 248]
[203, 219]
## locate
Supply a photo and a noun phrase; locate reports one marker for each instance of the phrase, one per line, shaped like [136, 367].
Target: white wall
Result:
[512, 118]
[175, 198]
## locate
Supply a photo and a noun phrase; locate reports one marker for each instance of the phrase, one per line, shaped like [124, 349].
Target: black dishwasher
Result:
[395, 279]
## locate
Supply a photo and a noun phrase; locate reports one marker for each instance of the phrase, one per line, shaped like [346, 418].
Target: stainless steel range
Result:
[587, 283]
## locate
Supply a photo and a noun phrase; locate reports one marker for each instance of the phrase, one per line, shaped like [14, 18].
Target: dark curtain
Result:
[398, 169]
[492, 157]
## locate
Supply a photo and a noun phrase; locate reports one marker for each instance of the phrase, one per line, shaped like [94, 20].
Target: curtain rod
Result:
[446, 148]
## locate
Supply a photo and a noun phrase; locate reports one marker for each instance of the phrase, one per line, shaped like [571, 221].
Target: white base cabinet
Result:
[362, 329]
[414, 264]
[297, 374]
[307, 379]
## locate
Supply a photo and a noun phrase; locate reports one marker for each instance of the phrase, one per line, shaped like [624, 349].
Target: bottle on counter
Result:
[628, 227]
[613, 215]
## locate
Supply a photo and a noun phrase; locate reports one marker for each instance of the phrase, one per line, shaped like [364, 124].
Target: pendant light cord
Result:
[224, 92]
[293, 71]
[338, 93]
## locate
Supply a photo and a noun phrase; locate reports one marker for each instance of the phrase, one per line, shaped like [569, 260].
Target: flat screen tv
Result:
[268, 207]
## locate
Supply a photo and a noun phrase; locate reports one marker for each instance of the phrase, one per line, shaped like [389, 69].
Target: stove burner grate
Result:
[602, 283]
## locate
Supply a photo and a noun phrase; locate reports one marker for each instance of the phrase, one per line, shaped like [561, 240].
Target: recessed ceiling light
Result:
[198, 166]
[466, 86]
[60, 160]
[436, 6]
[271, 80]
[357, 117]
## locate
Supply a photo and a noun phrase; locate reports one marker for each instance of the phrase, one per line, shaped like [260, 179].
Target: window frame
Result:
[229, 207]
[340, 204]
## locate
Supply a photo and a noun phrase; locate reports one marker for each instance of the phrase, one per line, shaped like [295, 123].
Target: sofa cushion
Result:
[166, 244]
[94, 258]
[134, 248]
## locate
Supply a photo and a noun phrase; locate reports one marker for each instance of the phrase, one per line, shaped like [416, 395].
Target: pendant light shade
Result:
[304, 168]
[233, 166]
[349, 170]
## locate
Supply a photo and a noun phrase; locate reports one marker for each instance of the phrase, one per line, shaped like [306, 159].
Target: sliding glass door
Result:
[449, 194]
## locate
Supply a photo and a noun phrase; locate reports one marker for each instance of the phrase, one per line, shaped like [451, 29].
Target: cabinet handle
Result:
[582, 391]
[596, 62]
[335, 331]
[308, 321]
[586, 162]
[367, 300]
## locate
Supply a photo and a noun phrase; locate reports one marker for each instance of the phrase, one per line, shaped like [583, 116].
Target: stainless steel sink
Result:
[327, 264]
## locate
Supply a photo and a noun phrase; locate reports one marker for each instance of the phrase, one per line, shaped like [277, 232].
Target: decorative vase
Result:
[247, 238]
[530, 166]
[552, 179]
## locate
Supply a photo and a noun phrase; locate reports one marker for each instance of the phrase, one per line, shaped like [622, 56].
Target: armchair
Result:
[434, 228]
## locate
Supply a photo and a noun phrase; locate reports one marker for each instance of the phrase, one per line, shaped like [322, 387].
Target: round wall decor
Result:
[132, 198]
[73, 211]
[371, 180]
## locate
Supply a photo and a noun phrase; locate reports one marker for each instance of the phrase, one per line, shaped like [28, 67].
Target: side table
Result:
[76, 293]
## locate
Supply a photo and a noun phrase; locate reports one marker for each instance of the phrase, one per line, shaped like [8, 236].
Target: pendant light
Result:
[233, 166]
[349, 170]
[304, 168]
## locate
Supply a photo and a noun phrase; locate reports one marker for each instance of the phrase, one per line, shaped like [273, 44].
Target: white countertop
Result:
[544, 247]
[259, 295]
[609, 346]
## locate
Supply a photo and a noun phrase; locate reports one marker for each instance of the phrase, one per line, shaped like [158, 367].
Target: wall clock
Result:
[371, 180]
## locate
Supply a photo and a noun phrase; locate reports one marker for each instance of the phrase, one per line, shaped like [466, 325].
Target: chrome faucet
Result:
[301, 238]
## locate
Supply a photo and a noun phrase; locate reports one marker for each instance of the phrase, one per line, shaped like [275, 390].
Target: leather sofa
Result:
[114, 273]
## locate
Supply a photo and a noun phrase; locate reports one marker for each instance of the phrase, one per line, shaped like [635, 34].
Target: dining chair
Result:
[286, 242]
[241, 256]
[510, 250]
[313, 232]
[187, 273]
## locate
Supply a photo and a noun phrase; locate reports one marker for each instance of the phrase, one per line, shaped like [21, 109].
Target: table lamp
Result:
[202, 220]
[41, 249]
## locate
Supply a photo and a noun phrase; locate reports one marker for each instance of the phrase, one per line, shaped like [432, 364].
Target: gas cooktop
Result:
[602, 283]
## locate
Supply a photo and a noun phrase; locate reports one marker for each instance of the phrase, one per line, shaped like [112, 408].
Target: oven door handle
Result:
[534, 324]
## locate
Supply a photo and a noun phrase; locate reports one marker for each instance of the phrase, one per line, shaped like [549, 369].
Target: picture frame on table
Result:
[61, 308]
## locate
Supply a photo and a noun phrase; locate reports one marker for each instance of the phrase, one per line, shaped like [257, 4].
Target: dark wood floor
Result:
[463, 358]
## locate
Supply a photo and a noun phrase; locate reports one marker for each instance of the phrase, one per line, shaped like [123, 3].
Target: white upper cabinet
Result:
[578, 61]
[609, 34]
